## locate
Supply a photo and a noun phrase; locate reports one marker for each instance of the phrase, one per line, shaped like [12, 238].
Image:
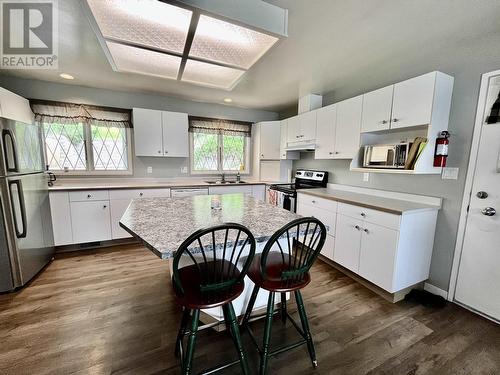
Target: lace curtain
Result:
[215, 126]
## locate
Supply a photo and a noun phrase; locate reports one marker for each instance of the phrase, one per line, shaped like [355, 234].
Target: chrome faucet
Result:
[223, 178]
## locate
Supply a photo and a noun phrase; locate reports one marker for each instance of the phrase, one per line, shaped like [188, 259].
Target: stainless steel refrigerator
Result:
[26, 239]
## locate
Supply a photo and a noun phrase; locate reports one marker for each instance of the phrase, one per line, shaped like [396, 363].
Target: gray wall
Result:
[466, 65]
[162, 167]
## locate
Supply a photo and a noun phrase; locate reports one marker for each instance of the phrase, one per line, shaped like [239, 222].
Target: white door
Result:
[347, 242]
[175, 134]
[348, 127]
[478, 280]
[293, 129]
[325, 132]
[412, 103]
[377, 106]
[147, 132]
[270, 138]
[307, 125]
[90, 221]
[378, 255]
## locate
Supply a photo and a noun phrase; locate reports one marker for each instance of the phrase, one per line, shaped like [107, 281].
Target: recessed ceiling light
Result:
[66, 76]
[228, 100]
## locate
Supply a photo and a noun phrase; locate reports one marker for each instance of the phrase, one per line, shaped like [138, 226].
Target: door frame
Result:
[471, 170]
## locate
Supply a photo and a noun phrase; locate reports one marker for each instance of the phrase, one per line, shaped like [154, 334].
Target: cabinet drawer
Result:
[328, 248]
[371, 216]
[325, 204]
[88, 195]
[326, 217]
[139, 193]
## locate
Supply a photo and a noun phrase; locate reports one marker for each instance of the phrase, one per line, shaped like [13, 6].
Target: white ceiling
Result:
[330, 43]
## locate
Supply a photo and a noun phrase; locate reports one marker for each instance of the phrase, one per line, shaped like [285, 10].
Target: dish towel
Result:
[272, 197]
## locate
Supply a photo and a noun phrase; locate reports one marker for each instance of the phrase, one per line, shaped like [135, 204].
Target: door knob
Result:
[482, 195]
[489, 211]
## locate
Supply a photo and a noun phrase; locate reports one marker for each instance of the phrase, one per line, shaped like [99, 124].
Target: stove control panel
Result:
[304, 174]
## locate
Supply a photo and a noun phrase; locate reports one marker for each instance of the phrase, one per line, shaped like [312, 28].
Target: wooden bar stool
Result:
[281, 269]
[211, 278]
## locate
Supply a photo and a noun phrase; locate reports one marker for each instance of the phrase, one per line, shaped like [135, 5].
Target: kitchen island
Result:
[162, 224]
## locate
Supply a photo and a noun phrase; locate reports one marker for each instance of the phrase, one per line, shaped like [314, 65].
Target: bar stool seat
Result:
[276, 263]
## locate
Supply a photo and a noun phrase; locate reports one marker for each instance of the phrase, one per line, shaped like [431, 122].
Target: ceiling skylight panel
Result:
[149, 23]
[138, 60]
[210, 75]
[227, 43]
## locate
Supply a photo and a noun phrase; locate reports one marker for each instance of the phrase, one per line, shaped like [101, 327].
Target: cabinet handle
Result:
[357, 227]
[313, 201]
[104, 206]
[89, 196]
[384, 121]
[395, 120]
[363, 214]
[261, 155]
[366, 231]
[331, 153]
[166, 152]
[141, 194]
[159, 151]
[297, 136]
[337, 152]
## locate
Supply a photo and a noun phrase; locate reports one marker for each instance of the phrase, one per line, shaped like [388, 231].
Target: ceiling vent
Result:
[209, 43]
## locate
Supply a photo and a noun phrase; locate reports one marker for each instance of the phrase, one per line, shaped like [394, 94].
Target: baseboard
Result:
[435, 290]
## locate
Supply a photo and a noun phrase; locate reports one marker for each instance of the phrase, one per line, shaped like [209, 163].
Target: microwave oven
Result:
[386, 156]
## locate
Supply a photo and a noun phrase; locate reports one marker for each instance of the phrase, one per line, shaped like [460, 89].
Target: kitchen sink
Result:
[219, 182]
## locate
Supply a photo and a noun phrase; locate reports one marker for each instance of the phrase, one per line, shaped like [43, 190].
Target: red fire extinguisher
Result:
[441, 152]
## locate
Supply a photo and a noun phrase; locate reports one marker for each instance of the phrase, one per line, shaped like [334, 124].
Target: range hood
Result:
[302, 146]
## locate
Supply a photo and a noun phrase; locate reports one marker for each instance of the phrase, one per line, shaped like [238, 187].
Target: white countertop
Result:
[391, 205]
[137, 183]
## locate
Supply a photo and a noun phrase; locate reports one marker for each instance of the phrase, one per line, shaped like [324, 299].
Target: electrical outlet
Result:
[150, 170]
[184, 169]
[366, 176]
[449, 173]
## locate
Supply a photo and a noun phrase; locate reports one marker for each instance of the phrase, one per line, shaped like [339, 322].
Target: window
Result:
[83, 139]
[219, 146]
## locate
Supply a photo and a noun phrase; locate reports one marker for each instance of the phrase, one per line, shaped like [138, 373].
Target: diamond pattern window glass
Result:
[65, 146]
[233, 156]
[205, 152]
[109, 147]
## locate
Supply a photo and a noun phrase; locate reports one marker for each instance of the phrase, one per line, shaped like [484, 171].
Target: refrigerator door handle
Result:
[20, 194]
[5, 133]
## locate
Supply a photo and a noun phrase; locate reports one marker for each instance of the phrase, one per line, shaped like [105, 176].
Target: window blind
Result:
[216, 126]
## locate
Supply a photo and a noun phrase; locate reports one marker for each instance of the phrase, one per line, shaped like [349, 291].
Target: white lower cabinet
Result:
[328, 247]
[348, 240]
[259, 192]
[118, 208]
[90, 221]
[61, 218]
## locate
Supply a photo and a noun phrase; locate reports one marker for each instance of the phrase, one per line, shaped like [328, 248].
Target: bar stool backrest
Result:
[305, 238]
[215, 253]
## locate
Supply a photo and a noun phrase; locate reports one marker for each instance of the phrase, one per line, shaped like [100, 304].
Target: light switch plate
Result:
[150, 170]
[449, 173]
[366, 176]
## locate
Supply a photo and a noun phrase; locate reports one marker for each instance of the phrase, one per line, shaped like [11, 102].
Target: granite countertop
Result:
[164, 223]
[393, 206]
[138, 183]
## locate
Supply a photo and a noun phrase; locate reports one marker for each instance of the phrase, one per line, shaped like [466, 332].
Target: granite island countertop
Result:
[162, 224]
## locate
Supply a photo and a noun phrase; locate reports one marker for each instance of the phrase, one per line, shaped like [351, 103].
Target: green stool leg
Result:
[267, 334]
[305, 327]
[283, 307]
[249, 309]
[188, 360]
[230, 318]
[182, 331]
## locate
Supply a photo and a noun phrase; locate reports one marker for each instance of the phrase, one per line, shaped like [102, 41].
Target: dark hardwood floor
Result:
[111, 311]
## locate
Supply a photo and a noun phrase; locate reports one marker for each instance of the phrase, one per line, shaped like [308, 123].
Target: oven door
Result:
[286, 201]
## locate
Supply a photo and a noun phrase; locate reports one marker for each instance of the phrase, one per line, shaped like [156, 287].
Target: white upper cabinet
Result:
[413, 99]
[307, 126]
[160, 133]
[377, 107]
[175, 134]
[293, 129]
[325, 132]
[284, 154]
[348, 127]
[148, 136]
[270, 140]
[15, 107]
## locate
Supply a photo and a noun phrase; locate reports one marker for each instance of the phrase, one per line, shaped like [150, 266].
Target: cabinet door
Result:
[283, 138]
[61, 217]
[175, 134]
[377, 106]
[270, 139]
[348, 127]
[90, 221]
[326, 217]
[147, 132]
[307, 125]
[293, 131]
[259, 192]
[329, 247]
[347, 242]
[412, 104]
[325, 132]
[378, 255]
[118, 208]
